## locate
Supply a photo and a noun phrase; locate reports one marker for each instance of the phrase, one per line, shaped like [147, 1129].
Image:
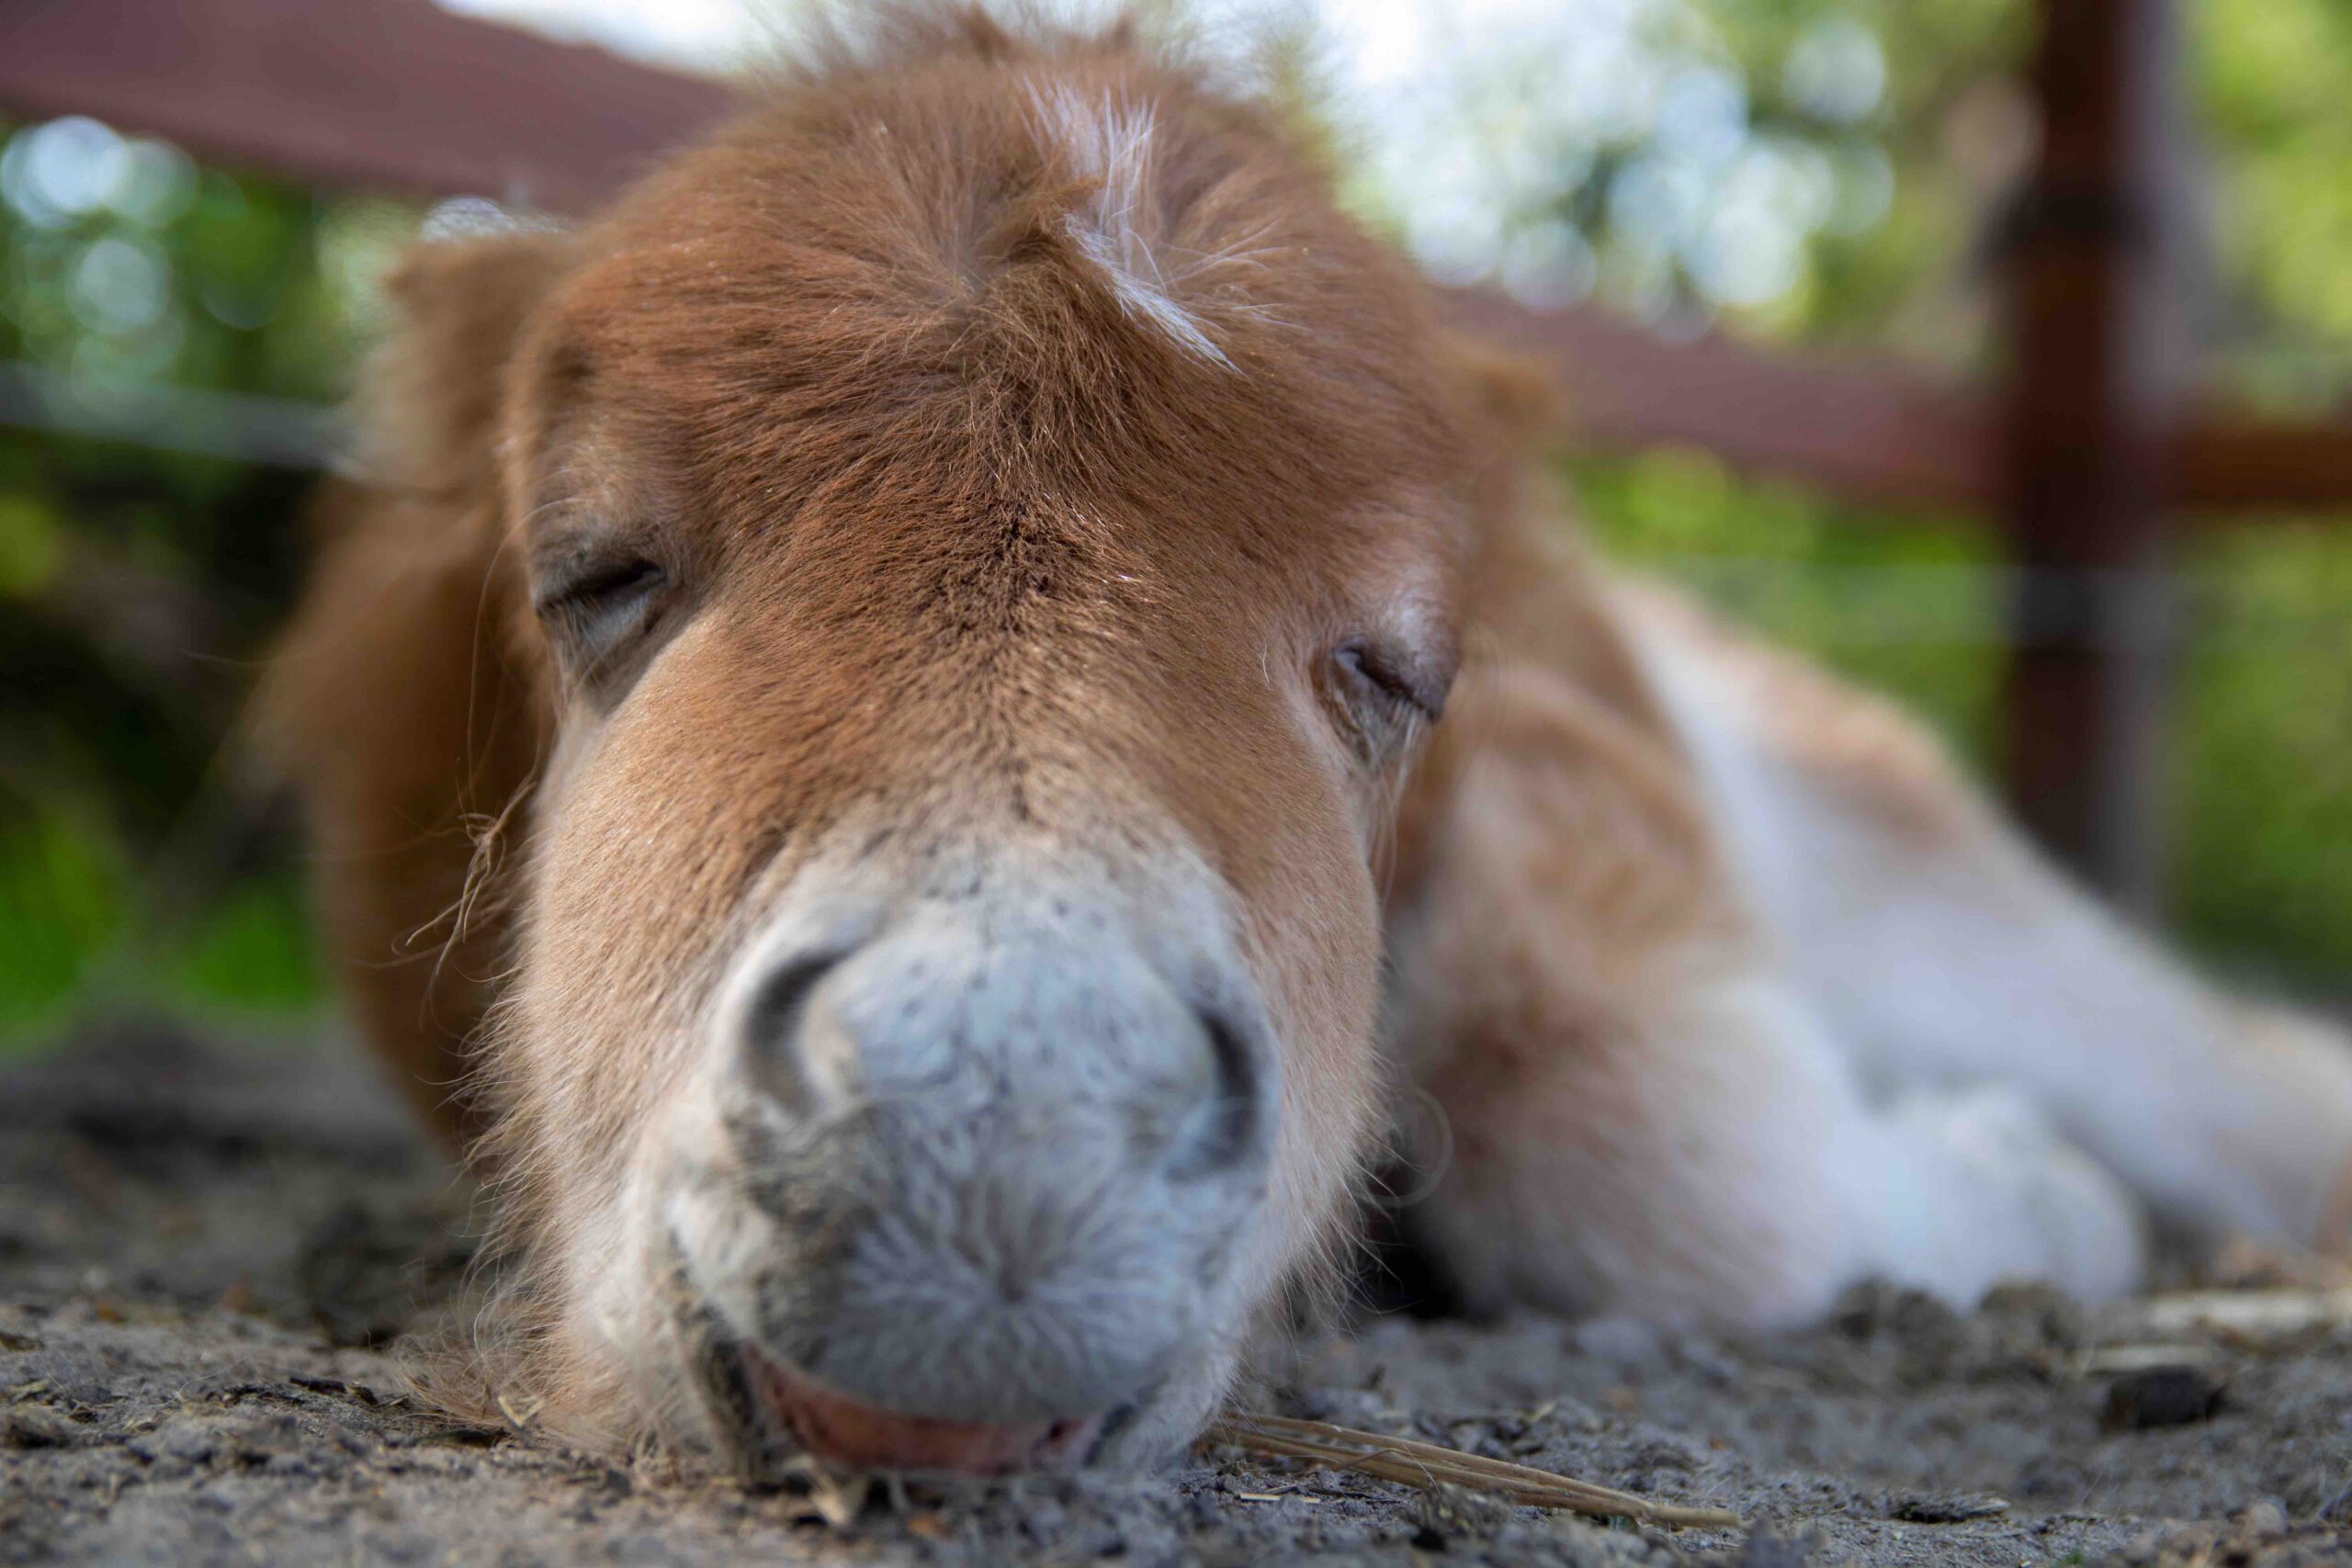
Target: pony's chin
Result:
[835, 1427]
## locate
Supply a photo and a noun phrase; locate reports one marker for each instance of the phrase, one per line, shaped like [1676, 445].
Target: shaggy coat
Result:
[991, 486]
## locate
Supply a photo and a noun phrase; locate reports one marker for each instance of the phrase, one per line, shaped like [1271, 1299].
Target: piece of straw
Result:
[1430, 1464]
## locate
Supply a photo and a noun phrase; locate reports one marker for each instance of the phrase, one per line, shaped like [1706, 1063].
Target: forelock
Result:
[1106, 144]
[1010, 258]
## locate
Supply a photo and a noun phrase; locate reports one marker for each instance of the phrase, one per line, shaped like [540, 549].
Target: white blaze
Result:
[1109, 143]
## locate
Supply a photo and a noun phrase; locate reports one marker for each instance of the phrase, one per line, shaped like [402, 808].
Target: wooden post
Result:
[2099, 373]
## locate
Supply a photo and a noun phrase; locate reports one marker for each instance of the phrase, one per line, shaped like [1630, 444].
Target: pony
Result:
[888, 687]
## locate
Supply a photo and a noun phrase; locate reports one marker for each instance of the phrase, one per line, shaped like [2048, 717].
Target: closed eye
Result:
[595, 609]
[1370, 673]
[1383, 699]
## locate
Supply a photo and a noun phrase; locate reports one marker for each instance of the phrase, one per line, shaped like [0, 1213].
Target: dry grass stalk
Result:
[2251, 1315]
[1428, 1464]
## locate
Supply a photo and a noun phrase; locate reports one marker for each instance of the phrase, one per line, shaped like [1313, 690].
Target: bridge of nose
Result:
[1059, 1012]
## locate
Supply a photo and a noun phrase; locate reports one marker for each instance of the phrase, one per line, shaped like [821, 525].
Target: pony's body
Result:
[1742, 961]
[884, 689]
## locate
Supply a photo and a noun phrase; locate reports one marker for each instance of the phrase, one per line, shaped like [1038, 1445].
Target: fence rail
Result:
[388, 92]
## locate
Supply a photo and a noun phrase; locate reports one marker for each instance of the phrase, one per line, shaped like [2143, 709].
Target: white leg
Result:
[1714, 1159]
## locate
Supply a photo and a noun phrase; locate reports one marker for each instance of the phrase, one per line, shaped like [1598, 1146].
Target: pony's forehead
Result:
[1077, 254]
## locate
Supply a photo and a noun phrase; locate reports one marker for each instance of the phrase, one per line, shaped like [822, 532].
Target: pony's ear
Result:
[1507, 404]
[429, 405]
[404, 702]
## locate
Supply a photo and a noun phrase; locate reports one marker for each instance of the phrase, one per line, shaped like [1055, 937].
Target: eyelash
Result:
[601, 582]
[1363, 664]
[600, 608]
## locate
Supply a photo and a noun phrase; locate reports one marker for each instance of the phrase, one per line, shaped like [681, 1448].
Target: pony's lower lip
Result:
[836, 1427]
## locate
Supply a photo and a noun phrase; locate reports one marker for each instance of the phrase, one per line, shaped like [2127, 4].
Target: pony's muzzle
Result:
[1064, 1020]
[1007, 1152]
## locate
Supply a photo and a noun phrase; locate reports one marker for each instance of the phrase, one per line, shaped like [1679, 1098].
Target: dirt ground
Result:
[207, 1258]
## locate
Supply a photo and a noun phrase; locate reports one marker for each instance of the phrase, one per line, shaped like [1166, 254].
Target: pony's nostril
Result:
[1226, 1131]
[772, 1028]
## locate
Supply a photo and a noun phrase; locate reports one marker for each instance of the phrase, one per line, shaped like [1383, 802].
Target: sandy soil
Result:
[207, 1258]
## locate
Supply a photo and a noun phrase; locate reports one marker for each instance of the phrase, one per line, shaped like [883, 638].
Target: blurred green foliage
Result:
[139, 865]
[1823, 171]
[1794, 168]
[2261, 755]
[1911, 605]
[2263, 762]
[2275, 99]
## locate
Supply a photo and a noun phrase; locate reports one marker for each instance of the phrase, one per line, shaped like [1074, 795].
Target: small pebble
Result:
[2163, 1396]
[1921, 1509]
[2264, 1516]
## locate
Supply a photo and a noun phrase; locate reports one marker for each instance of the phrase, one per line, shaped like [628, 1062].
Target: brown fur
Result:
[970, 546]
[963, 550]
